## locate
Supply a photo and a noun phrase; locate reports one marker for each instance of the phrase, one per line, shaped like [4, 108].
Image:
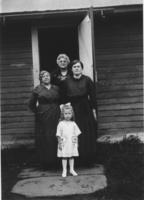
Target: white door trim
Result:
[35, 55]
[85, 46]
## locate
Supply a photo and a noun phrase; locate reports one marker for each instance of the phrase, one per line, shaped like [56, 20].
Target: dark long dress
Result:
[81, 94]
[58, 79]
[47, 115]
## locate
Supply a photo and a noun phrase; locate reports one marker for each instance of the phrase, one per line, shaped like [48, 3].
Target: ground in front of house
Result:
[21, 165]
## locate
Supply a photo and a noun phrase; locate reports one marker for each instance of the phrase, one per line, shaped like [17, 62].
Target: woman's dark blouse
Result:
[57, 78]
[45, 98]
[76, 89]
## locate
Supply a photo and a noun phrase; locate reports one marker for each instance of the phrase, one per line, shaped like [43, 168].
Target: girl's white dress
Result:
[68, 132]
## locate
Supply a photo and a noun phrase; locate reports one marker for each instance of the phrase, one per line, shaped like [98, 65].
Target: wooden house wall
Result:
[118, 42]
[17, 123]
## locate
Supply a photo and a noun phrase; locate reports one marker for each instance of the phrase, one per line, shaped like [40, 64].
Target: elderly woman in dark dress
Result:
[79, 90]
[63, 71]
[44, 102]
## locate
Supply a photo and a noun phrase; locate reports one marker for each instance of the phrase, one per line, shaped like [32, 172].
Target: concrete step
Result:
[39, 183]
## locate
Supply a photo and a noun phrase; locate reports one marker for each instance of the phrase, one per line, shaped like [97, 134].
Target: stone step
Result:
[36, 183]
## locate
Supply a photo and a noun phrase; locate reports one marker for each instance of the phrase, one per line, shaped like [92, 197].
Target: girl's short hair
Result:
[42, 74]
[63, 56]
[67, 107]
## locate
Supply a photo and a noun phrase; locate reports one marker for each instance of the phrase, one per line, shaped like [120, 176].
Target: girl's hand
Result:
[60, 143]
[74, 140]
[94, 113]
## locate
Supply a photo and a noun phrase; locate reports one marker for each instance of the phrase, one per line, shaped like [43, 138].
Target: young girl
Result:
[67, 134]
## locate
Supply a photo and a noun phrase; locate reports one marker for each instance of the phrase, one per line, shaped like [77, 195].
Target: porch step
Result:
[38, 183]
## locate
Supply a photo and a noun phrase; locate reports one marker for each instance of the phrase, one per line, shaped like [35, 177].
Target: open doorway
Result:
[56, 40]
[73, 38]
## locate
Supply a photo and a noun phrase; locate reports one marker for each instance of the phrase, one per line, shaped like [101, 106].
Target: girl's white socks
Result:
[72, 172]
[64, 173]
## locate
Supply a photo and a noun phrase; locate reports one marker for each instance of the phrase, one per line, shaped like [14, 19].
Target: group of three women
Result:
[63, 86]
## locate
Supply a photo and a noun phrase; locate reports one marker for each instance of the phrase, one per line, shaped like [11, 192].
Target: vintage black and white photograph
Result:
[72, 100]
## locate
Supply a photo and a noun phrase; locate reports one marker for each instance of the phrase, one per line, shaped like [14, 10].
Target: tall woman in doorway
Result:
[80, 91]
[44, 102]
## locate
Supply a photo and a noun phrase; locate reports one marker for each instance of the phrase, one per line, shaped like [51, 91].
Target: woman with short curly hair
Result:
[62, 72]
[44, 102]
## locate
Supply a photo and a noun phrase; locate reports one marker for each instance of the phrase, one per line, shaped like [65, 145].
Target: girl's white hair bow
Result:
[67, 104]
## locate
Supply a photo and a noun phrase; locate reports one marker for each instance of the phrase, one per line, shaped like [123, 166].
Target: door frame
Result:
[35, 55]
[35, 48]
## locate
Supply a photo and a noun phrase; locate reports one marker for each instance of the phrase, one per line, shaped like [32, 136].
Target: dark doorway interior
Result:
[53, 41]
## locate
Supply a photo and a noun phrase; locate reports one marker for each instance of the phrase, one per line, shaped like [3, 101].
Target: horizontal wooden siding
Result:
[119, 60]
[17, 123]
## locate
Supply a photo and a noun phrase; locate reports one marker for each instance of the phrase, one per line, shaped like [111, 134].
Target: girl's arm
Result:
[60, 142]
[59, 139]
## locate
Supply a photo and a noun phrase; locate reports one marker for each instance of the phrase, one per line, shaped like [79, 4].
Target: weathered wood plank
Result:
[119, 131]
[119, 62]
[117, 113]
[119, 56]
[16, 90]
[124, 37]
[107, 41]
[119, 94]
[119, 75]
[15, 74]
[121, 68]
[17, 113]
[118, 44]
[16, 95]
[22, 107]
[17, 49]
[20, 101]
[114, 125]
[138, 99]
[17, 136]
[10, 67]
[126, 40]
[128, 118]
[7, 120]
[20, 131]
[21, 56]
[15, 84]
[109, 88]
[121, 81]
[121, 106]
[21, 125]
[15, 78]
